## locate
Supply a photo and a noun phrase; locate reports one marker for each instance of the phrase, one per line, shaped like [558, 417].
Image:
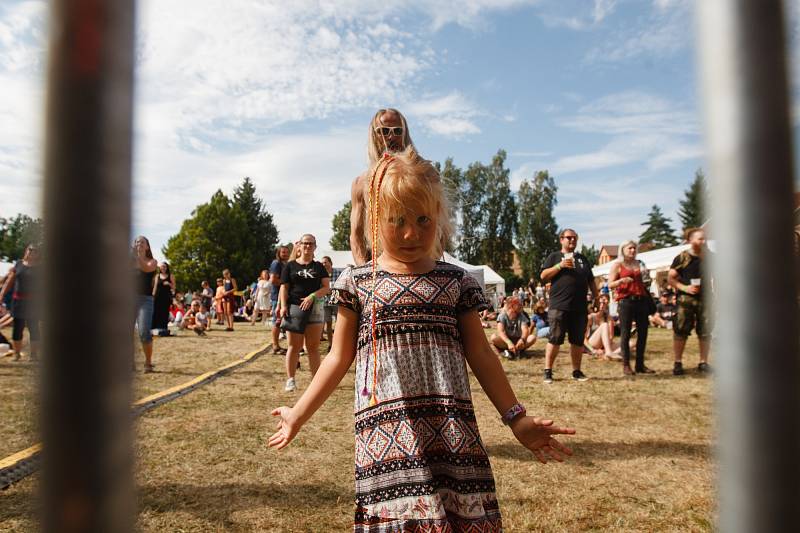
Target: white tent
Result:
[341, 258]
[474, 271]
[493, 280]
[5, 267]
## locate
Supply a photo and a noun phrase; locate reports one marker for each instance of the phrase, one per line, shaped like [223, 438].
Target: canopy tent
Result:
[474, 271]
[5, 267]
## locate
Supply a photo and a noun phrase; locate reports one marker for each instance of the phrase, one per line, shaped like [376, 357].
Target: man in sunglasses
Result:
[388, 132]
[570, 275]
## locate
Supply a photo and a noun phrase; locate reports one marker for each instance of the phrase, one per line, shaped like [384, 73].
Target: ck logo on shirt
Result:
[307, 273]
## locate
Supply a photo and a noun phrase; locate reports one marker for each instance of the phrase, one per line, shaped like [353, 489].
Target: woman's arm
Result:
[283, 298]
[172, 283]
[534, 433]
[8, 283]
[308, 301]
[330, 374]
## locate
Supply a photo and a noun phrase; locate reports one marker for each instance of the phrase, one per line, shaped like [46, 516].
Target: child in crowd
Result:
[176, 312]
[411, 325]
[219, 296]
[201, 320]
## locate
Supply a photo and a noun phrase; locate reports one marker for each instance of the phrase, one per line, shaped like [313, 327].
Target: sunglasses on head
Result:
[386, 131]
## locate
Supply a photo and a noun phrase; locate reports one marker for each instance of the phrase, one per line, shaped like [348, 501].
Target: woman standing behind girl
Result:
[163, 292]
[261, 298]
[228, 297]
[411, 324]
[304, 283]
[633, 300]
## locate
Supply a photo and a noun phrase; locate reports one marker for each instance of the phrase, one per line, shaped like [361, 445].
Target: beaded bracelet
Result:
[513, 412]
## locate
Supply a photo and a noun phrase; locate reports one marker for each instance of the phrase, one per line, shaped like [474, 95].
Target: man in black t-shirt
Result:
[687, 276]
[570, 276]
[664, 314]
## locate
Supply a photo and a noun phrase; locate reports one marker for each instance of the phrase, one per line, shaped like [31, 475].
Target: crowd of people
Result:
[570, 305]
[412, 324]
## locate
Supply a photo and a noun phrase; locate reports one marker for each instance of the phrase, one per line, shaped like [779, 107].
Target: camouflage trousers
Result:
[692, 313]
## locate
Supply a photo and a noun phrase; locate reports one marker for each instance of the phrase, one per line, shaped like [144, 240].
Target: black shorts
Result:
[566, 323]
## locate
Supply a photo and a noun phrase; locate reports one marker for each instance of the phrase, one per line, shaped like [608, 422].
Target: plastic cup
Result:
[695, 282]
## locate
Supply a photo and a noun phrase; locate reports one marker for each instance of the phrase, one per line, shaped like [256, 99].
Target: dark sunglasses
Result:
[386, 131]
[570, 237]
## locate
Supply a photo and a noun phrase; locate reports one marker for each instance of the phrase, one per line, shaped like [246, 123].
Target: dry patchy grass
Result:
[643, 453]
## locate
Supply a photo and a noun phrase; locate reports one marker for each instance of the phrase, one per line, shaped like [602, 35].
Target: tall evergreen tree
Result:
[451, 177]
[471, 204]
[537, 230]
[658, 231]
[500, 214]
[340, 240]
[692, 210]
[262, 233]
[215, 237]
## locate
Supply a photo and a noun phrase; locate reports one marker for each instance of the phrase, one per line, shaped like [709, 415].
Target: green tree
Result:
[340, 240]
[658, 231]
[499, 215]
[262, 235]
[537, 230]
[451, 177]
[215, 237]
[590, 253]
[17, 233]
[692, 210]
[472, 191]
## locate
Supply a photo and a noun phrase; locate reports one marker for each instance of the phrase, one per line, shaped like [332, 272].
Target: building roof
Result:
[610, 249]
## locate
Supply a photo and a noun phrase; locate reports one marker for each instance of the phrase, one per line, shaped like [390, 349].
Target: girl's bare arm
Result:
[330, 374]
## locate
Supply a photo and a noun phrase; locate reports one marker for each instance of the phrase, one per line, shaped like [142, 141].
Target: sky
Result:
[601, 93]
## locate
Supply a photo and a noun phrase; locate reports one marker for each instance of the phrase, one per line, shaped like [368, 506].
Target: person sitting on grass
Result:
[600, 333]
[190, 321]
[432, 471]
[665, 311]
[513, 335]
[176, 312]
[539, 319]
[202, 320]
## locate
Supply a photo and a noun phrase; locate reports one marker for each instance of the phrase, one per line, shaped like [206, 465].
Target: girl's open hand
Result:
[536, 434]
[287, 428]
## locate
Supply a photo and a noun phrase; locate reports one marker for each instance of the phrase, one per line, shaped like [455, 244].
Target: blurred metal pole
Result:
[87, 460]
[744, 74]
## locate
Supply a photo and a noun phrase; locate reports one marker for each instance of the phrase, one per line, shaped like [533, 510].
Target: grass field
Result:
[643, 452]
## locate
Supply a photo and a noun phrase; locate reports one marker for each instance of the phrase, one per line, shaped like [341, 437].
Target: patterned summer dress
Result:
[420, 462]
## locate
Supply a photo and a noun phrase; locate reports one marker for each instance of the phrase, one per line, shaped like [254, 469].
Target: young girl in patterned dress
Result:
[420, 461]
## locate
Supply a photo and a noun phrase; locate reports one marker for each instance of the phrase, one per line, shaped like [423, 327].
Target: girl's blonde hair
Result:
[625, 245]
[409, 183]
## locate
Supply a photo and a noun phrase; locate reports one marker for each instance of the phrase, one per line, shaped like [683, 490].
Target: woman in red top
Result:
[632, 298]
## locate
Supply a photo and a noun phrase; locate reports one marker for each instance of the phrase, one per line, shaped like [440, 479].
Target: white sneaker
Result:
[290, 385]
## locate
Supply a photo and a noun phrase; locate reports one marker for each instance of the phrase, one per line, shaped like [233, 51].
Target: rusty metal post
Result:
[87, 480]
[744, 73]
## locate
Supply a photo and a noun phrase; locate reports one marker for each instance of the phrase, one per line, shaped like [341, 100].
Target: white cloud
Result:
[666, 31]
[452, 115]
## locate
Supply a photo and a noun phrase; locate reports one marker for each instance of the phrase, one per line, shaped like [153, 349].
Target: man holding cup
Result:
[688, 278]
[570, 276]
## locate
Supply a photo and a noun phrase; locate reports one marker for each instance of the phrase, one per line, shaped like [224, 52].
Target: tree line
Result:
[494, 222]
